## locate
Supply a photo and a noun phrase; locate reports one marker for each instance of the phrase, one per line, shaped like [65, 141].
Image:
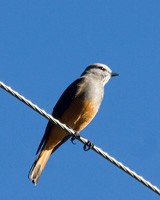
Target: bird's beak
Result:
[114, 74]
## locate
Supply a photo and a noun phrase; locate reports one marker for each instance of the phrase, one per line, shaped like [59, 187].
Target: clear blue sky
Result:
[44, 46]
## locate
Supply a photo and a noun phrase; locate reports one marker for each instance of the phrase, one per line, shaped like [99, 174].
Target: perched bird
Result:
[76, 108]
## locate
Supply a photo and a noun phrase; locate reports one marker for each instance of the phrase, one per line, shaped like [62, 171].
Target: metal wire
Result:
[80, 138]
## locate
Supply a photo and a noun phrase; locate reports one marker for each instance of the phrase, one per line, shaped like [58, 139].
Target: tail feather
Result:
[35, 173]
[38, 166]
[49, 146]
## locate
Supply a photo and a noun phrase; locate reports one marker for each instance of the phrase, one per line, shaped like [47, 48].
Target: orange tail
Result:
[39, 165]
[49, 144]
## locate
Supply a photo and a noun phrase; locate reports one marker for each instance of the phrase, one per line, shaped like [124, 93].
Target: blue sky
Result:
[44, 46]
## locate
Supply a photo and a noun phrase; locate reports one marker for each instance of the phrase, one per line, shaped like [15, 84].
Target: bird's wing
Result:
[63, 103]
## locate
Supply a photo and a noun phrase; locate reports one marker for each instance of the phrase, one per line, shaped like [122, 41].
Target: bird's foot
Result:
[73, 137]
[89, 145]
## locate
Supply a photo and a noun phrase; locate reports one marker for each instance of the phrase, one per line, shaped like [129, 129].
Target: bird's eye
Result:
[102, 68]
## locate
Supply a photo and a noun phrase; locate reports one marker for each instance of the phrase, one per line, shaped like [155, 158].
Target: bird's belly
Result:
[79, 114]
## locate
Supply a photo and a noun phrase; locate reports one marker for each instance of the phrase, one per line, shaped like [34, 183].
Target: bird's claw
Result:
[72, 140]
[89, 145]
[73, 137]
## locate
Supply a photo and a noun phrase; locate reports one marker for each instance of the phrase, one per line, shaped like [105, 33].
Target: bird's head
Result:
[100, 72]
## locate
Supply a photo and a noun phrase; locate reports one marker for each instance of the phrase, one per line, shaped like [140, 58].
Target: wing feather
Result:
[63, 103]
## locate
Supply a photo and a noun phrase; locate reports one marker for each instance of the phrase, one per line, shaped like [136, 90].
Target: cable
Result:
[80, 138]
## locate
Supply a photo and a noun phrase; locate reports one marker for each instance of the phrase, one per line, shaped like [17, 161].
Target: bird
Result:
[76, 108]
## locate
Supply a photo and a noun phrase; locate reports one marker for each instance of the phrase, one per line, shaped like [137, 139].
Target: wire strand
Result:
[80, 138]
